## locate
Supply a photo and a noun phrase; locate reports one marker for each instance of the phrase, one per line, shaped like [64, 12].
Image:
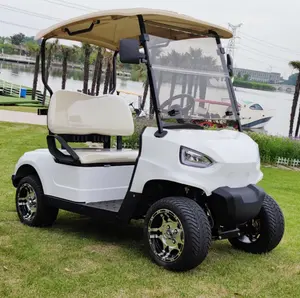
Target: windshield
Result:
[191, 81]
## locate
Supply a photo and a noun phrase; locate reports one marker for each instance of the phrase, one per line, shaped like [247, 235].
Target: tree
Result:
[194, 59]
[246, 77]
[292, 79]
[87, 49]
[98, 62]
[66, 53]
[108, 59]
[17, 39]
[50, 51]
[296, 66]
[99, 76]
[34, 50]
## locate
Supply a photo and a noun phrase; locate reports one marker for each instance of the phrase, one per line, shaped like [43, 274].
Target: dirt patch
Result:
[290, 270]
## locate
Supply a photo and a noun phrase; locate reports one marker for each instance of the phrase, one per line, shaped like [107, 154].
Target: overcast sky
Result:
[269, 36]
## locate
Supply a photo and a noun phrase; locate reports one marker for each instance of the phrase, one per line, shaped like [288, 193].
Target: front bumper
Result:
[233, 206]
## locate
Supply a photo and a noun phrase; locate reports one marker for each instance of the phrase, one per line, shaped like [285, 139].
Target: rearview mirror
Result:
[129, 51]
[229, 65]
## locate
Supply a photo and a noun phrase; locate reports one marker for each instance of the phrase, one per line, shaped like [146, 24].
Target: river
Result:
[278, 102]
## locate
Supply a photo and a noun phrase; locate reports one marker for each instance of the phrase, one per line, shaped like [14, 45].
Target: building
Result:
[259, 76]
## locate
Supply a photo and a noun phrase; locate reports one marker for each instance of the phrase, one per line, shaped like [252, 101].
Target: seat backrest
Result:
[76, 113]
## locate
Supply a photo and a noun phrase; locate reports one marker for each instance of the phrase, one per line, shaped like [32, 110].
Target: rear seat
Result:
[75, 116]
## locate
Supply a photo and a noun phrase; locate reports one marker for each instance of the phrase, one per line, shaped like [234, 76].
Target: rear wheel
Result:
[30, 203]
[263, 233]
[177, 233]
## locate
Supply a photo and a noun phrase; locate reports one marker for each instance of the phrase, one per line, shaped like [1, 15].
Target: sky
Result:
[267, 40]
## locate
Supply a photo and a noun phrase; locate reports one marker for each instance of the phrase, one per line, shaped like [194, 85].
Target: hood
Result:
[224, 146]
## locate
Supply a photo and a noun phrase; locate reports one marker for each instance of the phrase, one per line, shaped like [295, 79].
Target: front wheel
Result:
[177, 233]
[263, 233]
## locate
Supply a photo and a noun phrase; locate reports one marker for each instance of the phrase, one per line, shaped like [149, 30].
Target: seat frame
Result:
[73, 159]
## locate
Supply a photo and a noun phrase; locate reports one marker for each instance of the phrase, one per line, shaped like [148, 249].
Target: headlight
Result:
[192, 158]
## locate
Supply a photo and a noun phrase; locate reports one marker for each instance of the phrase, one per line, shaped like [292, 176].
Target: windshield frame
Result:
[152, 80]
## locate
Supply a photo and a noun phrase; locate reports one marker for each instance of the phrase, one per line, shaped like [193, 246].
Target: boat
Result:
[253, 116]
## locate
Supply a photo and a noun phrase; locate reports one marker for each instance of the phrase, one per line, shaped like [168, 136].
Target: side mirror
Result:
[229, 65]
[129, 51]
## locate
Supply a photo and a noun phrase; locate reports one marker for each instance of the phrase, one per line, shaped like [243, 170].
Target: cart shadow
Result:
[87, 228]
[119, 234]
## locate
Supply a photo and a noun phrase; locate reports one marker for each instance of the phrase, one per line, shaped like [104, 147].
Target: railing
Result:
[17, 58]
[11, 89]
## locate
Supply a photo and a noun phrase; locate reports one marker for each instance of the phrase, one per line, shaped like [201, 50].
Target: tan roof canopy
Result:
[112, 25]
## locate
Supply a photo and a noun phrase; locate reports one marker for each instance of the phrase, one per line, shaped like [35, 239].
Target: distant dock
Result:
[29, 61]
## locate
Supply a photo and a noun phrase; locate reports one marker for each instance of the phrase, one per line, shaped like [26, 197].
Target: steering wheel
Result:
[176, 109]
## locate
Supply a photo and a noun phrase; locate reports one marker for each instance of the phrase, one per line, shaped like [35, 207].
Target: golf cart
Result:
[189, 185]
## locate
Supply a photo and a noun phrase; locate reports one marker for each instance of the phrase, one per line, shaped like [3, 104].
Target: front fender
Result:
[33, 162]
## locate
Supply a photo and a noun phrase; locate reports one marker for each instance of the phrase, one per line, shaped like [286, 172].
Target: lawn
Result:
[79, 257]
[19, 109]
[15, 99]
[14, 103]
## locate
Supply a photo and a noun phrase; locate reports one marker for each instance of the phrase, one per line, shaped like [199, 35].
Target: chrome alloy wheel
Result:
[166, 235]
[27, 201]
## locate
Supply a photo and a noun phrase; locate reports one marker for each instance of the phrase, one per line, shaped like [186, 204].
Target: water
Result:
[279, 103]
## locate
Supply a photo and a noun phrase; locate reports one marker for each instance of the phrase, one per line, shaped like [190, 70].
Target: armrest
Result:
[73, 158]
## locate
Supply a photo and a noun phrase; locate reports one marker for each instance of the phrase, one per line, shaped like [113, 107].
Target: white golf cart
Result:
[190, 185]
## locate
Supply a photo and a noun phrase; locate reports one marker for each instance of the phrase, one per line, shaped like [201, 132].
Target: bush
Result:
[272, 147]
[134, 140]
[253, 85]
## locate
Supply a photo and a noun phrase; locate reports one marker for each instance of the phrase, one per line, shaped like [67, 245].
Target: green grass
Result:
[19, 109]
[79, 257]
[16, 100]
[13, 103]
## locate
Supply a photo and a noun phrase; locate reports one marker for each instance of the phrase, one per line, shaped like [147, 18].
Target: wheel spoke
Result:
[26, 201]
[167, 239]
[33, 209]
[21, 203]
[165, 218]
[154, 230]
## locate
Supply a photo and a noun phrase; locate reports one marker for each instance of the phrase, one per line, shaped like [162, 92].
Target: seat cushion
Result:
[90, 156]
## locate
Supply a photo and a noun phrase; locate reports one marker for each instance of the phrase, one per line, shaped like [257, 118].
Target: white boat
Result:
[253, 115]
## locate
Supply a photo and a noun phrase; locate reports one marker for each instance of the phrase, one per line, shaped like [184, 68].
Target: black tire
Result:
[270, 229]
[196, 235]
[44, 214]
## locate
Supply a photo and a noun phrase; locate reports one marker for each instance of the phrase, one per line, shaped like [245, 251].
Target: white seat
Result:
[80, 114]
[91, 156]
[77, 114]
